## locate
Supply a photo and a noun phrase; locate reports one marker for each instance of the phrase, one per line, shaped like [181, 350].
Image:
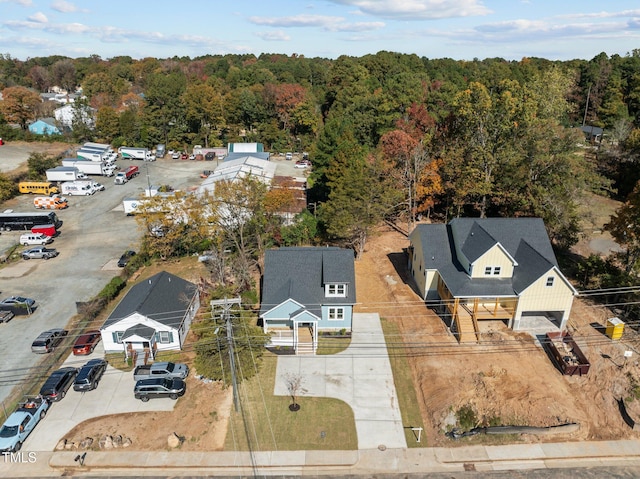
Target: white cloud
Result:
[328, 23]
[64, 6]
[39, 17]
[276, 36]
[297, 21]
[24, 3]
[418, 9]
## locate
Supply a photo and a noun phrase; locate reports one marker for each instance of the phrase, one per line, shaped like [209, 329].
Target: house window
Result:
[550, 280]
[117, 336]
[336, 314]
[492, 270]
[164, 337]
[336, 290]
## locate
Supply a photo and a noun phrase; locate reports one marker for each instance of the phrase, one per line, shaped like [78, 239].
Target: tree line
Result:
[391, 137]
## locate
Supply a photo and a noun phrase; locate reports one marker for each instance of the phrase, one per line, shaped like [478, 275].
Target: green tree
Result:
[8, 188]
[360, 195]
[107, 123]
[624, 226]
[39, 163]
[204, 109]
[212, 348]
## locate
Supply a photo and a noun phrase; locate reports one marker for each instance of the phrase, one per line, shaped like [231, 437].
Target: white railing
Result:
[282, 338]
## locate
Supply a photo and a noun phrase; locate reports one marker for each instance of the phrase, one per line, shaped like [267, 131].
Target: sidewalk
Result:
[315, 463]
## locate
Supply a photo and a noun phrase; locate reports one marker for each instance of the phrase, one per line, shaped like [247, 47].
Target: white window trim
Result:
[336, 287]
[492, 270]
[161, 340]
[332, 314]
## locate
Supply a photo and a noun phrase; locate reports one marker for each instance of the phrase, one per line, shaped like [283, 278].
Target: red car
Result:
[184, 156]
[86, 343]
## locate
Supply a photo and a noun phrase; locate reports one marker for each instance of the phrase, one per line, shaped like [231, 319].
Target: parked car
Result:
[288, 156]
[21, 422]
[146, 389]
[57, 385]
[125, 258]
[41, 252]
[89, 375]
[18, 301]
[98, 186]
[48, 340]
[35, 238]
[86, 343]
[210, 156]
[171, 152]
[192, 156]
[6, 316]
[302, 164]
[175, 155]
[184, 156]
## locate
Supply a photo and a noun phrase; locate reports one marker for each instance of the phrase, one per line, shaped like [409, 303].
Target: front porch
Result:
[466, 312]
[302, 337]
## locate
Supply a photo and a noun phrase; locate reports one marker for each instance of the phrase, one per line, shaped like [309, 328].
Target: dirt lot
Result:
[14, 154]
[507, 379]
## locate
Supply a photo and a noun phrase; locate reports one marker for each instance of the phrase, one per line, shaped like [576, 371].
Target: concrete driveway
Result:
[114, 395]
[361, 376]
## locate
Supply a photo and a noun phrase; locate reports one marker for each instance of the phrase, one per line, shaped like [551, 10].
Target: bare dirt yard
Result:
[200, 419]
[506, 378]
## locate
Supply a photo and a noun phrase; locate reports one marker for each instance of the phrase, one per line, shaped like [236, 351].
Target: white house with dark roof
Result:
[490, 269]
[305, 291]
[155, 315]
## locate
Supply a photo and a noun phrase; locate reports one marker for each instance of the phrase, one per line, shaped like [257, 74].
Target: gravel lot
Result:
[94, 235]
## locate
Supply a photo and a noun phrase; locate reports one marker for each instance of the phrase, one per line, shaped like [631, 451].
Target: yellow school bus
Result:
[38, 187]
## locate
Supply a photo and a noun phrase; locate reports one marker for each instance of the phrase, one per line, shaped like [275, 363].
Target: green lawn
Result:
[409, 409]
[321, 423]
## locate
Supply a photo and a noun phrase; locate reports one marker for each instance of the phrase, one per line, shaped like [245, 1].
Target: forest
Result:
[392, 137]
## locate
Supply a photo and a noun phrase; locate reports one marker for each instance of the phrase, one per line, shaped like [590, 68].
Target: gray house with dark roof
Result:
[155, 315]
[304, 291]
[490, 269]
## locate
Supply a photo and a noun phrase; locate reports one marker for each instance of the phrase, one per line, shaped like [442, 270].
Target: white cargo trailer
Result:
[64, 173]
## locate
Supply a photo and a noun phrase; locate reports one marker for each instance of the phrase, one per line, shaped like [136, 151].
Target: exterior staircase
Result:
[305, 341]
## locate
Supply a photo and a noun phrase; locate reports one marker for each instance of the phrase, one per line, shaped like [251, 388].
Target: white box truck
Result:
[77, 188]
[129, 153]
[106, 153]
[91, 155]
[64, 173]
[89, 167]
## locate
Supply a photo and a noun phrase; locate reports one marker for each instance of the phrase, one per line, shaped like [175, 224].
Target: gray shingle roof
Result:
[301, 273]
[163, 297]
[140, 330]
[525, 239]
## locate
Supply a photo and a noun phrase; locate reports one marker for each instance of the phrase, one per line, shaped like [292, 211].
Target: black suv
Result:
[146, 389]
[58, 383]
[89, 375]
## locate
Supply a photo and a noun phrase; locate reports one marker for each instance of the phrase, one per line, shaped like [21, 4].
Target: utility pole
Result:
[226, 307]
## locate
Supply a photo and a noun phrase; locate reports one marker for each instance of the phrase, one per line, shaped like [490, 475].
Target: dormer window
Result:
[492, 270]
[336, 290]
[550, 281]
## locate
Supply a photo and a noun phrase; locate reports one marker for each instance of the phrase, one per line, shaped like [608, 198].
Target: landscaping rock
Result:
[126, 442]
[173, 440]
[106, 442]
[86, 443]
[61, 445]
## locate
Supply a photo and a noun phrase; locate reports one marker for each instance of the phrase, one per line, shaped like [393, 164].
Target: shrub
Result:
[112, 289]
[466, 417]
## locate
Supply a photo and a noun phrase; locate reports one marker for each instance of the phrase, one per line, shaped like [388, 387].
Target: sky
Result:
[458, 29]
